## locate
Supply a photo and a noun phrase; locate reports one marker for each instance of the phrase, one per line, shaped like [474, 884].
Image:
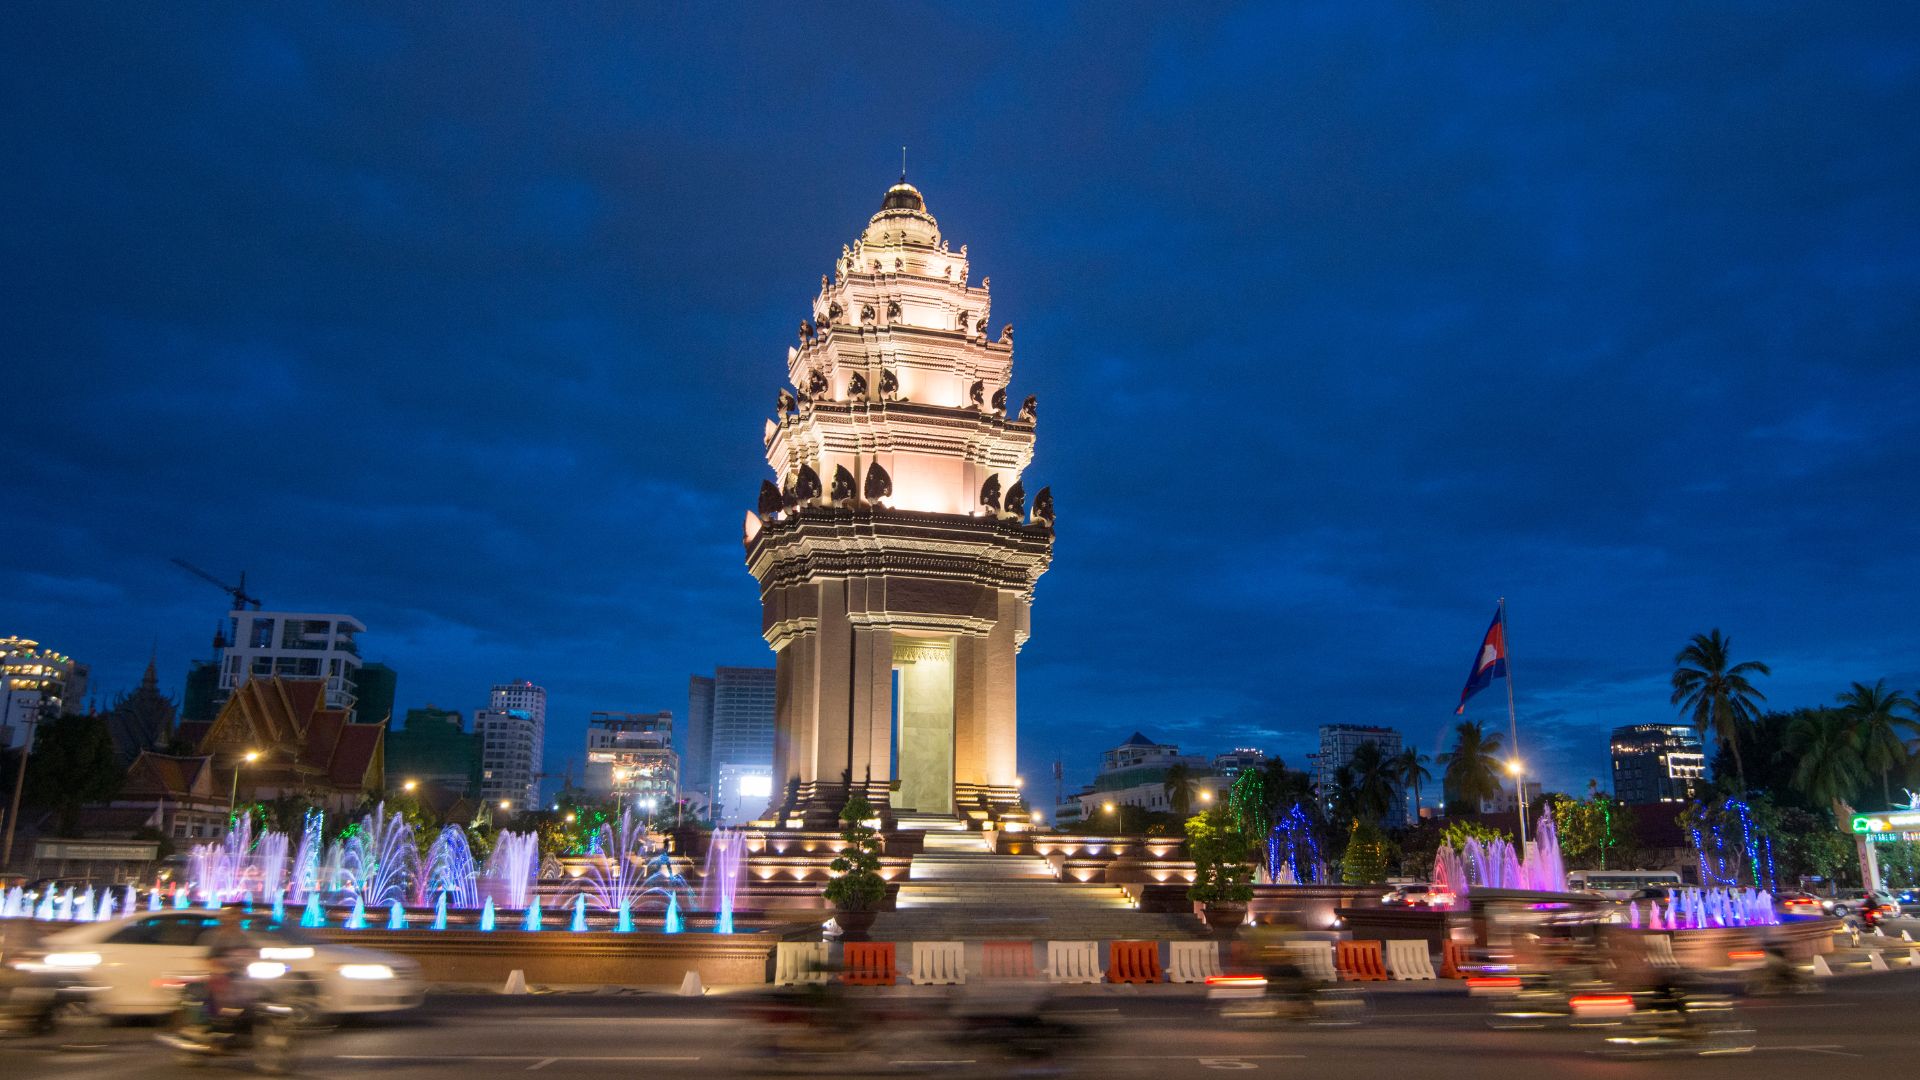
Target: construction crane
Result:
[239, 592]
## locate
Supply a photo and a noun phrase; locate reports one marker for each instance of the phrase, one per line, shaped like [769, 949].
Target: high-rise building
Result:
[696, 750]
[630, 758]
[374, 688]
[736, 710]
[1238, 760]
[512, 729]
[433, 746]
[293, 645]
[1337, 745]
[1657, 763]
[35, 684]
[893, 543]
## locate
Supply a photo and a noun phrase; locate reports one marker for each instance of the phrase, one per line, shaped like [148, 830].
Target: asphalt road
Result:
[1859, 1026]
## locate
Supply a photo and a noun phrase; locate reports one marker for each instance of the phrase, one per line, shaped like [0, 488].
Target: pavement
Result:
[1860, 1025]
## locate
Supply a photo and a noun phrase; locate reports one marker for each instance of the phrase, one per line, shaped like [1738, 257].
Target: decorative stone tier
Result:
[589, 958]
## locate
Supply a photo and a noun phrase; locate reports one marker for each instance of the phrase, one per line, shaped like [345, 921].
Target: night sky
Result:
[1345, 320]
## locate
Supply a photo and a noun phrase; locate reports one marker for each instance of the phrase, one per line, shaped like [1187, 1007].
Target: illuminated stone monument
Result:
[896, 552]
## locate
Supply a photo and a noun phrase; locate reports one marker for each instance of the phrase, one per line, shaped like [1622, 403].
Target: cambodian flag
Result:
[1490, 662]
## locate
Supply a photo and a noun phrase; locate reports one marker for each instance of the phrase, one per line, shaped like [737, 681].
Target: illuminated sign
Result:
[1891, 821]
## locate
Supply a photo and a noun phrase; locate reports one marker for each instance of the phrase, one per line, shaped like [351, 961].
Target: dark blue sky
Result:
[1346, 319]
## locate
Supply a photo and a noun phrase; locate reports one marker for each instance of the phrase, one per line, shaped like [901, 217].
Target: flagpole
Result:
[1513, 730]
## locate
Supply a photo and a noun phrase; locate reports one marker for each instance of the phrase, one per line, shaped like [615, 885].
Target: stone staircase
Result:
[958, 889]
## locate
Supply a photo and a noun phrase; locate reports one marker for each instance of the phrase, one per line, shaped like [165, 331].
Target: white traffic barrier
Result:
[690, 985]
[1820, 967]
[1192, 961]
[1315, 959]
[1876, 961]
[516, 982]
[939, 963]
[1074, 962]
[798, 963]
[1409, 960]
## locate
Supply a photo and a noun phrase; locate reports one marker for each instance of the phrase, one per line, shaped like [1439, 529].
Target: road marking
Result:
[1821, 1048]
[541, 1064]
[543, 1061]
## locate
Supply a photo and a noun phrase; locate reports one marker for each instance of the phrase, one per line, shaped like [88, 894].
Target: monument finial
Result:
[903, 164]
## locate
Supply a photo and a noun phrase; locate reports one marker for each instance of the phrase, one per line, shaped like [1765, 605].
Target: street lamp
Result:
[1515, 770]
[233, 796]
[409, 786]
[1206, 794]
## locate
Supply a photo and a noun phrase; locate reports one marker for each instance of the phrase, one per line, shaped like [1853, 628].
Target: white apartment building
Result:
[35, 684]
[512, 730]
[293, 645]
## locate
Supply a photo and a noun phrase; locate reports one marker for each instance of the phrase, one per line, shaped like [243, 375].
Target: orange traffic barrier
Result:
[1007, 960]
[1453, 960]
[867, 963]
[1360, 961]
[1134, 962]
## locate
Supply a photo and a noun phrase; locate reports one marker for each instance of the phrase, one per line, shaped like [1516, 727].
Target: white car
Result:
[137, 961]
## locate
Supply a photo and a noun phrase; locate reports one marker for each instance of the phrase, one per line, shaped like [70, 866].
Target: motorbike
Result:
[1672, 1019]
[1288, 998]
[38, 1000]
[265, 1018]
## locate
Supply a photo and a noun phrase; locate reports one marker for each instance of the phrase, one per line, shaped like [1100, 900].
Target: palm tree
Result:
[1410, 769]
[1826, 760]
[1870, 712]
[1716, 694]
[1471, 770]
[1373, 780]
[1180, 786]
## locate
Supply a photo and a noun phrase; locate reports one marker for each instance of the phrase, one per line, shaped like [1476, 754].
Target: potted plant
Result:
[1222, 873]
[857, 889]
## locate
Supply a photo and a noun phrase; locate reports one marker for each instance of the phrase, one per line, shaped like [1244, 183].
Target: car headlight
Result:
[71, 961]
[299, 952]
[266, 969]
[365, 971]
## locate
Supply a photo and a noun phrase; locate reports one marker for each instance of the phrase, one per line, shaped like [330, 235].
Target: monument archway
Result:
[924, 709]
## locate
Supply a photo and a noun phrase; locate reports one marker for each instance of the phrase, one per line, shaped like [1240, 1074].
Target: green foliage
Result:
[73, 764]
[1373, 775]
[1716, 694]
[1221, 851]
[1471, 770]
[1595, 833]
[1180, 786]
[1827, 764]
[857, 884]
[1899, 863]
[1872, 713]
[1368, 856]
[1461, 830]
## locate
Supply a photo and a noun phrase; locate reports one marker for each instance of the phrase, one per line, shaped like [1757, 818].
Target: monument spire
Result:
[897, 597]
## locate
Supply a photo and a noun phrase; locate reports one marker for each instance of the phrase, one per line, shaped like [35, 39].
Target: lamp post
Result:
[409, 786]
[1518, 773]
[233, 795]
[20, 778]
[1113, 816]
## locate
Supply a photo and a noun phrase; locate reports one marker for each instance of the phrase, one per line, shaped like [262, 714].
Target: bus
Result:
[1622, 884]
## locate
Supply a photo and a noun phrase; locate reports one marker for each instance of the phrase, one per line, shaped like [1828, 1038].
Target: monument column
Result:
[895, 549]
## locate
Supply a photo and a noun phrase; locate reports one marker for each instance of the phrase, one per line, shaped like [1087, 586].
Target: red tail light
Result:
[1250, 982]
[1494, 982]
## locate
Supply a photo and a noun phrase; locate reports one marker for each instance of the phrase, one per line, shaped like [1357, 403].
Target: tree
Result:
[1828, 764]
[1180, 787]
[1222, 858]
[1248, 802]
[1871, 712]
[1594, 832]
[1373, 781]
[1457, 833]
[857, 885]
[1715, 694]
[73, 764]
[1471, 770]
[1368, 855]
[1410, 770]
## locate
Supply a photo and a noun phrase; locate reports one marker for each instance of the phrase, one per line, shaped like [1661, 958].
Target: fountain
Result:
[626, 919]
[312, 916]
[514, 866]
[440, 912]
[672, 923]
[531, 922]
[579, 913]
[449, 869]
[379, 858]
[396, 916]
[306, 860]
[725, 854]
[486, 915]
[357, 919]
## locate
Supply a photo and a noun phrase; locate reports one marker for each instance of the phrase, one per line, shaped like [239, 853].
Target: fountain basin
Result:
[590, 958]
